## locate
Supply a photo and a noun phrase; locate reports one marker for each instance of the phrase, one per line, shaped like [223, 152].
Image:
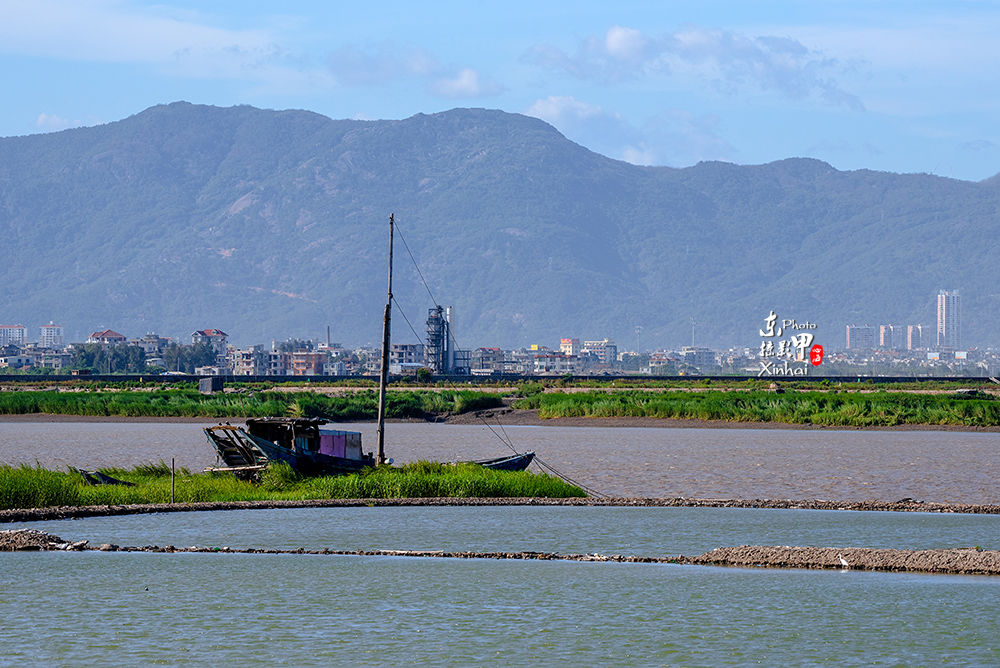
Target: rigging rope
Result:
[505, 439]
[415, 266]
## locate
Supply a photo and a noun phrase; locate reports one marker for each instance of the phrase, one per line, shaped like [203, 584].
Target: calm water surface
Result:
[302, 610]
[954, 467]
[96, 609]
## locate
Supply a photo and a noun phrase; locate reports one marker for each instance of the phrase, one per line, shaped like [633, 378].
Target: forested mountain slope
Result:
[274, 224]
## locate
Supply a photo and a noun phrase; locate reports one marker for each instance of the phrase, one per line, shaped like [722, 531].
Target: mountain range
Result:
[274, 224]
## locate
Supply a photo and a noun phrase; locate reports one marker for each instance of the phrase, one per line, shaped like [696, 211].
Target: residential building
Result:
[406, 353]
[13, 334]
[949, 319]
[279, 363]
[334, 369]
[661, 363]
[556, 364]
[152, 344]
[605, 350]
[569, 346]
[860, 337]
[487, 360]
[15, 361]
[306, 363]
[107, 337]
[914, 337]
[891, 337]
[702, 359]
[50, 336]
[213, 337]
[48, 357]
[248, 361]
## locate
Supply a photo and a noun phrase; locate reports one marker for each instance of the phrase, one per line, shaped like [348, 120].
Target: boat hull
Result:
[239, 448]
[517, 462]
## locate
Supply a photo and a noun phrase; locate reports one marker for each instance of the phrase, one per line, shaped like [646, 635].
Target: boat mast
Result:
[380, 457]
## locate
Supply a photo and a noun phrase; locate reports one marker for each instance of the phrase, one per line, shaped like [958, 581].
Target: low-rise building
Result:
[702, 359]
[555, 364]
[213, 337]
[605, 350]
[107, 337]
[406, 353]
[151, 344]
[248, 361]
[569, 346]
[279, 363]
[15, 361]
[487, 360]
[306, 363]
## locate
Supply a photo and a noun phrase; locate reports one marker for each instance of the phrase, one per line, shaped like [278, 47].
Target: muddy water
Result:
[948, 467]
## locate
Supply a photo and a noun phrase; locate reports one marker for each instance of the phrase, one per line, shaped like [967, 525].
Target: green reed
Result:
[822, 408]
[191, 403]
[34, 487]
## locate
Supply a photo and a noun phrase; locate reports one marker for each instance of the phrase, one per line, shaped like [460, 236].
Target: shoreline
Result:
[871, 505]
[517, 418]
[951, 561]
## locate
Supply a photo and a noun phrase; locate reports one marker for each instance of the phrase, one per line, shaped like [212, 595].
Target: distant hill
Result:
[274, 224]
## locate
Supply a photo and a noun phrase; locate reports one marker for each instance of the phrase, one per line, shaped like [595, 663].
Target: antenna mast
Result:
[383, 378]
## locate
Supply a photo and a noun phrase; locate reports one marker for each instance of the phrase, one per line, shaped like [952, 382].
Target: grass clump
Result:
[822, 408]
[188, 402]
[35, 487]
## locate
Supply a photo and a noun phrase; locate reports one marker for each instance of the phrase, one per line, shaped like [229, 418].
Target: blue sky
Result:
[885, 85]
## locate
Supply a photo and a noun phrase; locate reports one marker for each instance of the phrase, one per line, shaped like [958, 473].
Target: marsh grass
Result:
[822, 408]
[188, 402]
[34, 487]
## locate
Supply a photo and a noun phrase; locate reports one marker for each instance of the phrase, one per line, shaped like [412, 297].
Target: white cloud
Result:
[111, 31]
[725, 59]
[575, 119]
[687, 138]
[466, 83]
[381, 64]
[107, 31]
[388, 62]
[51, 122]
[675, 137]
[54, 123]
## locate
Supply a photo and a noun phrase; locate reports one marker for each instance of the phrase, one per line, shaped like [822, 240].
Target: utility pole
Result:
[384, 376]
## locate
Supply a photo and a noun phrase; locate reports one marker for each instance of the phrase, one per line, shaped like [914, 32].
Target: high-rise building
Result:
[860, 337]
[949, 319]
[13, 334]
[914, 337]
[891, 337]
[50, 336]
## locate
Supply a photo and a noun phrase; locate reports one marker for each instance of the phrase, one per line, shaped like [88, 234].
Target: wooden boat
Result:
[298, 442]
[515, 462]
[309, 450]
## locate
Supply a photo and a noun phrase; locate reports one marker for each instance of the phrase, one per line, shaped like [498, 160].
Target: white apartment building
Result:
[50, 336]
[13, 335]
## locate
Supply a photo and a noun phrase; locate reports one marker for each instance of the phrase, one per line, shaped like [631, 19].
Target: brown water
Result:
[947, 467]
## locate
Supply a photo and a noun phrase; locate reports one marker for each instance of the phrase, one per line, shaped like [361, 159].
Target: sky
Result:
[885, 85]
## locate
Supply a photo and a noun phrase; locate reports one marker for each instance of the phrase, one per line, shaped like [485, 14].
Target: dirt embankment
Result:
[22, 540]
[965, 561]
[903, 505]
